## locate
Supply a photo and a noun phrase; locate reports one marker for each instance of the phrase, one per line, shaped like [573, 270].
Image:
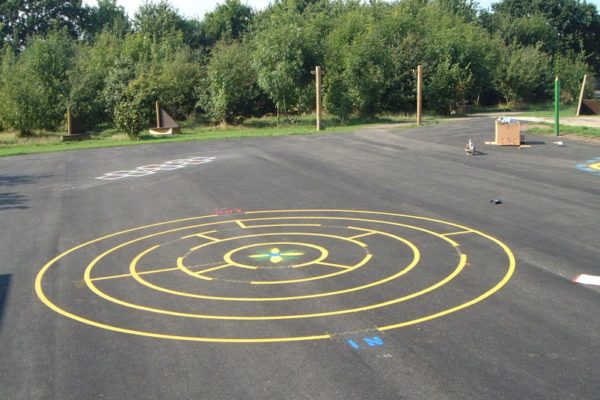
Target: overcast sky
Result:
[197, 9]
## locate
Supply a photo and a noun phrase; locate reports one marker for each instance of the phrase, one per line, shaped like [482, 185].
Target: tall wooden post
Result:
[419, 94]
[557, 106]
[581, 95]
[317, 74]
[69, 121]
[157, 115]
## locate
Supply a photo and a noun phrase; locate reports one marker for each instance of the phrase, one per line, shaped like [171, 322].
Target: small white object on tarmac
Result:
[560, 143]
[507, 120]
[470, 148]
[587, 280]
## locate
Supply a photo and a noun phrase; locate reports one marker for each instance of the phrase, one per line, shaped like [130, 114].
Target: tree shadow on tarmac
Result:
[4, 284]
[16, 180]
[12, 201]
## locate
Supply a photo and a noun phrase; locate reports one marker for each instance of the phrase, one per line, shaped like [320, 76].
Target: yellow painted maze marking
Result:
[457, 233]
[155, 271]
[279, 249]
[415, 261]
[323, 252]
[203, 235]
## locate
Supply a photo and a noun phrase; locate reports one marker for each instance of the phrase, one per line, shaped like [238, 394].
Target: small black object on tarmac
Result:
[496, 201]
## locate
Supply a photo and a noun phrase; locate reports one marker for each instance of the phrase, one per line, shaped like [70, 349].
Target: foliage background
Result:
[236, 62]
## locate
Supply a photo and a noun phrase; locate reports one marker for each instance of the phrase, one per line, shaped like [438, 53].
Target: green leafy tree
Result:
[466, 47]
[193, 34]
[231, 88]
[172, 84]
[177, 79]
[18, 99]
[20, 19]
[107, 15]
[229, 21]
[90, 76]
[403, 33]
[529, 31]
[372, 54]
[158, 20]
[135, 110]
[447, 88]
[526, 75]
[576, 23]
[350, 60]
[464, 9]
[336, 98]
[134, 58]
[34, 86]
[284, 55]
[144, 72]
[570, 69]
[367, 67]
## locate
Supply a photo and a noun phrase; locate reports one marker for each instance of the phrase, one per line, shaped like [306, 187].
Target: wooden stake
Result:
[557, 106]
[69, 122]
[581, 94]
[317, 73]
[419, 94]
[157, 115]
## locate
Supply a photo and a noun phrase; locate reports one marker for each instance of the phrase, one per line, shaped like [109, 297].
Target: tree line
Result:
[237, 62]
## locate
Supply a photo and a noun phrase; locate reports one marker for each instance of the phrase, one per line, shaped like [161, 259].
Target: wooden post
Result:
[557, 106]
[317, 74]
[419, 94]
[157, 115]
[69, 122]
[581, 95]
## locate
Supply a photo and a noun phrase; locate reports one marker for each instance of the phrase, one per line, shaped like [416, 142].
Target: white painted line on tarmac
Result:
[154, 168]
[587, 279]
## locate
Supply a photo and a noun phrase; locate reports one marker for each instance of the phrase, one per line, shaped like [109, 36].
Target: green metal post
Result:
[557, 106]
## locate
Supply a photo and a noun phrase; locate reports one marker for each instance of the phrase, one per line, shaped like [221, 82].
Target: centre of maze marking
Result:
[247, 280]
[275, 255]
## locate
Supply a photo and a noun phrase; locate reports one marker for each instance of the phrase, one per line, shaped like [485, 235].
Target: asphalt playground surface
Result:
[365, 265]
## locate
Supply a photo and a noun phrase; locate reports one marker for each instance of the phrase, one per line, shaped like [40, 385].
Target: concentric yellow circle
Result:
[360, 221]
[89, 282]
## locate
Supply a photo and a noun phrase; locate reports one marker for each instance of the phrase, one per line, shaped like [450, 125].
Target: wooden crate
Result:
[508, 134]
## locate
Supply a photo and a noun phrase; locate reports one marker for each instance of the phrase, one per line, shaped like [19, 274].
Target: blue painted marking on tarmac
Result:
[353, 344]
[586, 166]
[373, 341]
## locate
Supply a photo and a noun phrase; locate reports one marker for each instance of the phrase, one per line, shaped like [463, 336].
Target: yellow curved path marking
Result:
[42, 296]
[457, 270]
[141, 280]
[188, 271]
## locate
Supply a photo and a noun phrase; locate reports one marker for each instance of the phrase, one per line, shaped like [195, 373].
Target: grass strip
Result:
[547, 129]
[11, 145]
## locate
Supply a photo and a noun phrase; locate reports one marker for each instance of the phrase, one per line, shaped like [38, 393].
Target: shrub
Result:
[34, 85]
[447, 88]
[526, 75]
[136, 109]
[570, 69]
[231, 84]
